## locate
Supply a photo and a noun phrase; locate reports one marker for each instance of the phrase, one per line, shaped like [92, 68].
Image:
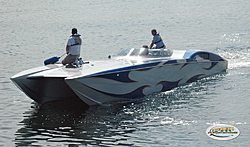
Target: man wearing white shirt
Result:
[73, 48]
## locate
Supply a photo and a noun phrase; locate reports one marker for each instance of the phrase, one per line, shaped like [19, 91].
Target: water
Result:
[32, 31]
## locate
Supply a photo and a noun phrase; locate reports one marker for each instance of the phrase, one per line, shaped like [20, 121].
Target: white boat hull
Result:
[41, 88]
[131, 84]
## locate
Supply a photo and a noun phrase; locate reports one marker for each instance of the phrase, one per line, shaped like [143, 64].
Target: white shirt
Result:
[75, 44]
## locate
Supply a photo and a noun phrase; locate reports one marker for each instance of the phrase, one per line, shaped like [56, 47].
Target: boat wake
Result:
[234, 65]
[237, 57]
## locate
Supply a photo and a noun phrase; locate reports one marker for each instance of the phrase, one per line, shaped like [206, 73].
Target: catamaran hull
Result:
[132, 74]
[43, 90]
[39, 85]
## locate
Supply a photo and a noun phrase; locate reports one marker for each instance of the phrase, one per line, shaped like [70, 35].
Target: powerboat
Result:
[132, 73]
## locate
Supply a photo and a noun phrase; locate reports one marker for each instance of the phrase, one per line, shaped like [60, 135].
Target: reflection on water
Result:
[121, 123]
[50, 121]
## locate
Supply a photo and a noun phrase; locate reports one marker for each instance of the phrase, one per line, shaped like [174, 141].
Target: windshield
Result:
[123, 52]
[139, 52]
[145, 52]
[160, 52]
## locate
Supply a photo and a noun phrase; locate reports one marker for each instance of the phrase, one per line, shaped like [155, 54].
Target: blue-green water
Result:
[32, 31]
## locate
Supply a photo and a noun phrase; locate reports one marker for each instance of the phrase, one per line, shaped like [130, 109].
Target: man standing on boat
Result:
[73, 48]
[157, 40]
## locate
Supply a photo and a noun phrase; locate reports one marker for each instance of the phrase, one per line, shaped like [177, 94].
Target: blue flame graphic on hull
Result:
[134, 94]
[134, 79]
[120, 77]
[167, 85]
